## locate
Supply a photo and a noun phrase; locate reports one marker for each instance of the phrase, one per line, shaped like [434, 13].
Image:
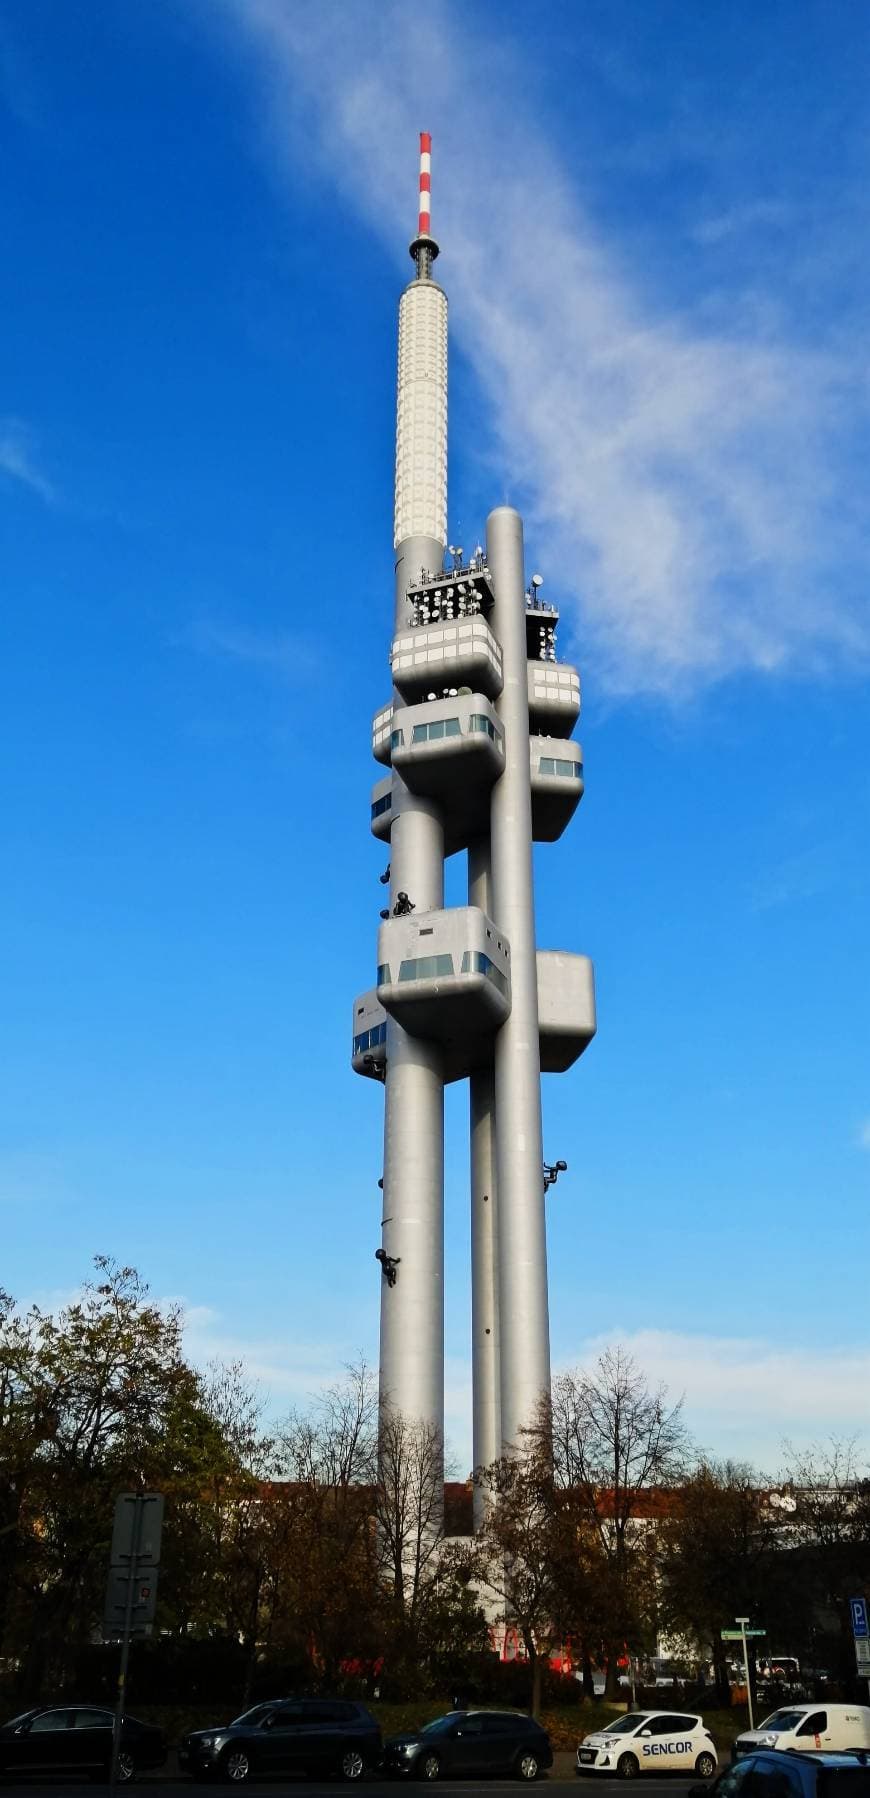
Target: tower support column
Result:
[524, 1348]
[486, 1425]
[412, 1310]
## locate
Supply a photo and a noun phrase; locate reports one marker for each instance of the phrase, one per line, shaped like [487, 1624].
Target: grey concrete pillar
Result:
[522, 1251]
[412, 1311]
[486, 1401]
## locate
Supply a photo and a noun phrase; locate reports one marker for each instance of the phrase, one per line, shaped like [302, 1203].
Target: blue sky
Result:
[653, 222]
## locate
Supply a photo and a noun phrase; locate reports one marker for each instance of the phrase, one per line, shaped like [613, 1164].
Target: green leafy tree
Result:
[98, 1398]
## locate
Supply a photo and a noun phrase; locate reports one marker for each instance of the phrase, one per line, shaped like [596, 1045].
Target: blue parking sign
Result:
[858, 1608]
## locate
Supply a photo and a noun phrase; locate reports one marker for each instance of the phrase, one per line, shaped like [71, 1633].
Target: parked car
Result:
[472, 1743]
[286, 1735]
[807, 1727]
[77, 1738]
[650, 1742]
[774, 1774]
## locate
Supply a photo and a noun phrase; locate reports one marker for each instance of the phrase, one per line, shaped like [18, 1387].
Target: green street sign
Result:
[736, 1635]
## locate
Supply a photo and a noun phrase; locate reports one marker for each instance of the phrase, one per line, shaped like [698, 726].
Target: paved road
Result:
[562, 1779]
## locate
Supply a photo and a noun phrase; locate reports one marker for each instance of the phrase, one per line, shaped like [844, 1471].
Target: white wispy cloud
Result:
[275, 652]
[292, 1372]
[747, 1395]
[744, 1396]
[688, 481]
[288, 1370]
[18, 459]
[795, 878]
[755, 215]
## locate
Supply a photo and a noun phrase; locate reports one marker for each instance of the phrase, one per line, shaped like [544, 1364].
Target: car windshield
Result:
[440, 1726]
[21, 1718]
[625, 1726]
[252, 1717]
[780, 1720]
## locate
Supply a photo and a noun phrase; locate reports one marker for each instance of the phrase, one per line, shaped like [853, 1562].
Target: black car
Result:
[286, 1735]
[473, 1743]
[792, 1773]
[77, 1738]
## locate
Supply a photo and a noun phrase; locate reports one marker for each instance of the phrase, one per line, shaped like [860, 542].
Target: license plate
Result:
[587, 1754]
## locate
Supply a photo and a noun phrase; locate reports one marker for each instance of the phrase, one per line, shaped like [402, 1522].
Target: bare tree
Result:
[830, 1528]
[409, 1509]
[614, 1442]
[233, 1521]
[430, 1608]
[325, 1564]
[515, 1551]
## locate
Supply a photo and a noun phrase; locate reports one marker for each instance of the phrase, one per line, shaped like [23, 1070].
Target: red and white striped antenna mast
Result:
[425, 218]
[424, 249]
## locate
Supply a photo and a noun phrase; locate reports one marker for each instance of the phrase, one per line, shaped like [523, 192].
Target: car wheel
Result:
[430, 1767]
[627, 1766]
[126, 1770]
[352, 1764]
[705, 1766]
[527, 1766]
[236, 1766]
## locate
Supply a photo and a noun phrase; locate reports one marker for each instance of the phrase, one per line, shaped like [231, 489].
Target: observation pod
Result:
[448, 655]
[475, 744]
[382, 809]
[445, 973]
[448, 743]
[369, 1051]
[556, 773]
[566, 1008]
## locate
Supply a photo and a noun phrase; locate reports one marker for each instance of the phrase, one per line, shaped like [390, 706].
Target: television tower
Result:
[477, 743]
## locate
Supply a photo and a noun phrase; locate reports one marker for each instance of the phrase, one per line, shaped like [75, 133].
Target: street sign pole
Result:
[131, 1595]
[125, 1639]
[743, 1622]
[861, 1636]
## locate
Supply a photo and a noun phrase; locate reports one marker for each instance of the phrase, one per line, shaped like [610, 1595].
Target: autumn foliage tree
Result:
[95, 1398]
[720, 1558]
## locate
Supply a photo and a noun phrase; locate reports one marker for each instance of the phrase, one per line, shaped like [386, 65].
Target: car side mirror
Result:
[645, 1732]
[268, 1720]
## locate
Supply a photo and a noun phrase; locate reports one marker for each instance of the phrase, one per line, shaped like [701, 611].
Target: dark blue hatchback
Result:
[785, 1773]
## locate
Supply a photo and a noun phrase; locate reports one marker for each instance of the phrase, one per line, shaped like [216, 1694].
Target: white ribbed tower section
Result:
[421, 416]
[412, 1311]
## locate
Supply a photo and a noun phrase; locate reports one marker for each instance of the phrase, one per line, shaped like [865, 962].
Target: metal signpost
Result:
[131, 1596]
[860, 1636]
[740, 1635]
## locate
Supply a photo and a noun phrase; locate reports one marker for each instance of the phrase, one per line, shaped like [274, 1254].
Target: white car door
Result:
[671, 1747]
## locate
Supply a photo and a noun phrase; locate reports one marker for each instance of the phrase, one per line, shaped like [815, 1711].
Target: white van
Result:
[808, 1726]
